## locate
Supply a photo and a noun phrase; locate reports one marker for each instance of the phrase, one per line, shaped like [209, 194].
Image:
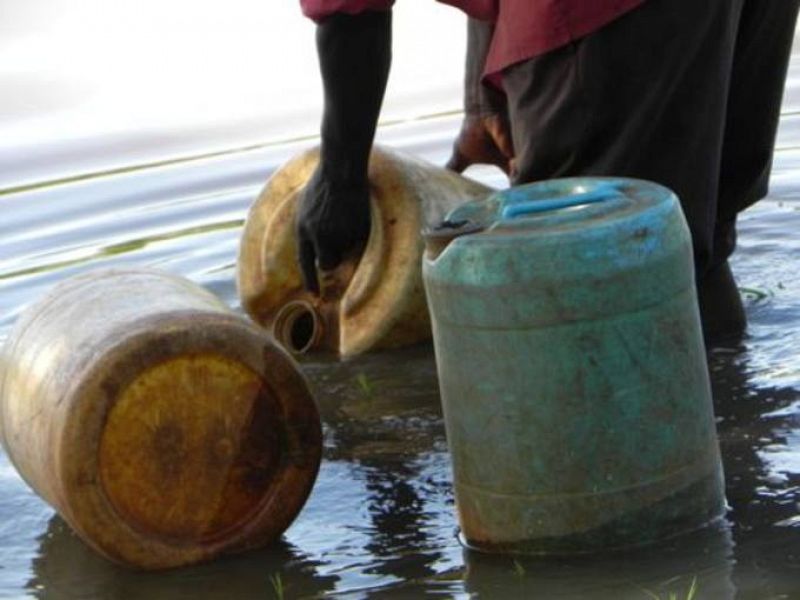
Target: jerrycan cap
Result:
[438, 237]
[556, 205]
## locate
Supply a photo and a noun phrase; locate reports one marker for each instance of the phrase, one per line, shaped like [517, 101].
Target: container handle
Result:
[604, 191]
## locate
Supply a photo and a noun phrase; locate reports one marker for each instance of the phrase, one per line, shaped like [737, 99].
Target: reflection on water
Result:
[383, 420]
[758, 424]
[704, 559]
[66, 568]
[380, 522]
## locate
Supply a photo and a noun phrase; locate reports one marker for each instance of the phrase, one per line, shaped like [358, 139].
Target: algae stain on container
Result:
[572, 368]
[164, 428]
[374, 302]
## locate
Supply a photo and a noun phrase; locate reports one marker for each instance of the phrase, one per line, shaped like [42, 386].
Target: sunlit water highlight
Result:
[380, 522]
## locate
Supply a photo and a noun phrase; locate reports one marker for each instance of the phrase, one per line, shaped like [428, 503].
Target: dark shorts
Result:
[686, 93]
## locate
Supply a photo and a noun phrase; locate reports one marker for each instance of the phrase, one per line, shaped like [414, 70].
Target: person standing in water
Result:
[680, 92]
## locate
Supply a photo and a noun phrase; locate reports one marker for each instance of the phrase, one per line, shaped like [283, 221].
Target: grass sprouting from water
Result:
[277, 586]
[519, 570]
[692, 589]
[365, 385]
[691, 594]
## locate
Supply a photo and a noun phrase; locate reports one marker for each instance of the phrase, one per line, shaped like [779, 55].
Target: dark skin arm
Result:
[333, 218]
[485, 136]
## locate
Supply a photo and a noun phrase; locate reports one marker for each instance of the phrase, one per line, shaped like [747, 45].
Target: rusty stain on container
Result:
[373, 301]
[164, 428]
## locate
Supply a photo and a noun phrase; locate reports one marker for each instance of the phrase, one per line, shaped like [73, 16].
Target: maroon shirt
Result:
[524, 28]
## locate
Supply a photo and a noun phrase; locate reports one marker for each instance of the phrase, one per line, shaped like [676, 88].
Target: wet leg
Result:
[644, 97]
[758, 75]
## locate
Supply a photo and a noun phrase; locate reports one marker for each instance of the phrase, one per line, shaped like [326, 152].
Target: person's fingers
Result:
[463, 146]
[307, 258]
[328, 256]
[458, 162]
[483, 140]
[493, 156]
[500, 133]
[501, 162]
[505, 145]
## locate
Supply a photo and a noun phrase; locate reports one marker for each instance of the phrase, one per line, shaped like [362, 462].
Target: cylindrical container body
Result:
[374, 301]
[164, 428]
[572, 368]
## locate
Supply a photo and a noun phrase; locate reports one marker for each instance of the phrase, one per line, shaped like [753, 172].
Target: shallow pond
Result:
[380, 522]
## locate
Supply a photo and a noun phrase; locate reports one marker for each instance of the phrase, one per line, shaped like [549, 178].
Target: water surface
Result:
[380, 522]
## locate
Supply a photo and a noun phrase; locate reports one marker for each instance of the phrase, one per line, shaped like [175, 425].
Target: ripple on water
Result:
[380, 522]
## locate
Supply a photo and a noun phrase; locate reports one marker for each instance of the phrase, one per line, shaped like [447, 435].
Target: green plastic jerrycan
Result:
[572, 368]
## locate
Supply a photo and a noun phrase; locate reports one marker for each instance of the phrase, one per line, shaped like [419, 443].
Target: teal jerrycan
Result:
[572, 368]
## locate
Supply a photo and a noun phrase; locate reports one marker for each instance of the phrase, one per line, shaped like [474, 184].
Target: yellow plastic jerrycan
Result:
[164, 428]
[371, 303]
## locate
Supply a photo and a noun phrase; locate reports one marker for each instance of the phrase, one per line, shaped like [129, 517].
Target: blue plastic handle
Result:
[602, 192]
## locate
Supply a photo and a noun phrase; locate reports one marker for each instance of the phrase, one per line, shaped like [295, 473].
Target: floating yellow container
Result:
[164, 428]
[375, 302]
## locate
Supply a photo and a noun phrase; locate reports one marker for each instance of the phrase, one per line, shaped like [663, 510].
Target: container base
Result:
[692, 507]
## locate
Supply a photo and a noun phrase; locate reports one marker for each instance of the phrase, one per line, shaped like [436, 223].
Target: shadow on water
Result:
[67, 568]
[758, 430]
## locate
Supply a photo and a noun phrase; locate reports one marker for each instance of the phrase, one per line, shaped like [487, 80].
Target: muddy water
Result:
[380, 522]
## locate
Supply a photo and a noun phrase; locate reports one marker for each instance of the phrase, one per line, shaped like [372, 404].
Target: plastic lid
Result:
[191, 448]
[556, 204]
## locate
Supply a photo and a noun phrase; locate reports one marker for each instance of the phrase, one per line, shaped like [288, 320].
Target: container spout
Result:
[298, 327]
[438, 238]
